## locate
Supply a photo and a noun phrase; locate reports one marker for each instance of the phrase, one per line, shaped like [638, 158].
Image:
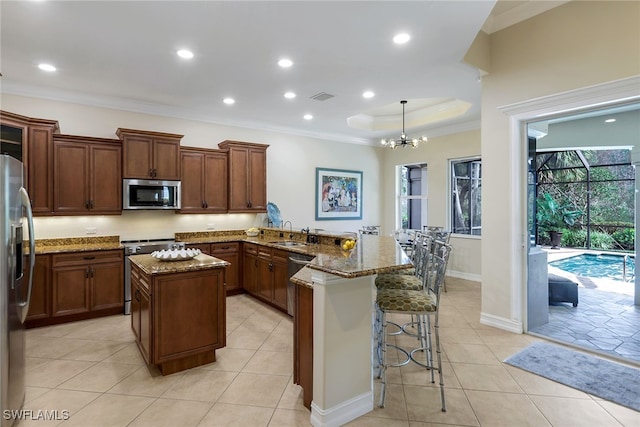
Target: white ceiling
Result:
[123, 55]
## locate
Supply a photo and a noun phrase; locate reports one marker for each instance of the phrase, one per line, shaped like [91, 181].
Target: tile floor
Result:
[93, 370]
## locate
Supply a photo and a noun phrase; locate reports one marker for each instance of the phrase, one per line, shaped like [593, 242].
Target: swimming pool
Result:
[597, 265]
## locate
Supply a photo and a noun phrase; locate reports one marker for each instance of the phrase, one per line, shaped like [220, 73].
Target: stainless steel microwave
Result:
[150, 194]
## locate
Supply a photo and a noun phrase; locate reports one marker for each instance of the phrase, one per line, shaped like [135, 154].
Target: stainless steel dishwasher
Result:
[296, 262]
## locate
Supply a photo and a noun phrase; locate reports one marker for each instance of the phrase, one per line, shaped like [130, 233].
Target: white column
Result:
[635, 160]
[342, 349]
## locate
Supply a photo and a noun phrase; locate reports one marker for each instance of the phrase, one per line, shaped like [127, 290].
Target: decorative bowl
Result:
[252, 233]
[175, 254]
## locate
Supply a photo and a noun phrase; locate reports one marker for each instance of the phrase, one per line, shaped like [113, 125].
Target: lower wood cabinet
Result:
[250, 268]
[230, 252]
[303, 342]
[178, 319]
[40, 302]
[272, 276]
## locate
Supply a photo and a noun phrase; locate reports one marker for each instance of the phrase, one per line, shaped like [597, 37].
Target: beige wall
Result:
[466, 256]
[574, 46]
[291, 163]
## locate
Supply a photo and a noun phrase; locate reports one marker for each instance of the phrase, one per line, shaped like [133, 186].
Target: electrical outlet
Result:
[90, 230]
[210, 226]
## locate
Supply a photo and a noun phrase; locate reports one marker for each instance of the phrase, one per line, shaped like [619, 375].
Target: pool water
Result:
[601, 266]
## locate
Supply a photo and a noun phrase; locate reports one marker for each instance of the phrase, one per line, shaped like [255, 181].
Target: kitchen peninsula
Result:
[178, 310]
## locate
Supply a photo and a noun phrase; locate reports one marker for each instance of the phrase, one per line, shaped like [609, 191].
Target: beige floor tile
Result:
[246, 338]
[226, 415]
[626, 416]
[561, 411]
[537, 385]
[55, 372]
[270, 362]
[256, 390]
[146, 382]
[32, 393]
[423, 404]
[373, 421]
[52, 347]
[290, 418]
[129, 354]
[292, 398]
[502, 352]
[100, 377]
[395, 405]
[94, 351]
[413, 374]
[171, 413]
[230, 359]
[485, 377]
[281, 339]
[109, 410]
[201, 385]
[470, 353]
[505, 409]
[459, 335]
[60, 403]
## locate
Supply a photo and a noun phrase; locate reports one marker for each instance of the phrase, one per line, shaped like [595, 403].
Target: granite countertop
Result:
[303, 277]
[75, 244]
[153, 266]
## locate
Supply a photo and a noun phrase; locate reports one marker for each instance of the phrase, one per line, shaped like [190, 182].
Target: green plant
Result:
[600, 240]
[552, 216]
[574, 238]
[625, 238]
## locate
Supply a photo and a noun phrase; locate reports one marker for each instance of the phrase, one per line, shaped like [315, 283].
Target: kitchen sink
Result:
[288, 243]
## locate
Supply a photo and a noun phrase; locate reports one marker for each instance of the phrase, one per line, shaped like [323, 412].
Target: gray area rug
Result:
[608, 380]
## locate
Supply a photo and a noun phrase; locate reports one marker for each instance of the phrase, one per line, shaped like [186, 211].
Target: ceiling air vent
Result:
[322, 96]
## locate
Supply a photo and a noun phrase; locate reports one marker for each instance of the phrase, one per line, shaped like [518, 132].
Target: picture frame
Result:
[338, 194]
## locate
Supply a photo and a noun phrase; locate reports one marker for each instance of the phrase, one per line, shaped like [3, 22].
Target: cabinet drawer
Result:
[139, 278]
[250, 248]
[217, 248]
[83, 258]
[279, 255]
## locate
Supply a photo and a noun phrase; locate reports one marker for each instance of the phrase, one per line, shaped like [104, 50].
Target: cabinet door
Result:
[105, 179]
[280, 279]
[135, 309]
[250, 273]
[137, 160]
[166, 159]
[40, 303]
[70, 290]
[258, 179]
[71, 169]
[303, 342]
[265, 278]
[232, 272]
[192, 189]
[238, 179]
[215, 182]
[40, 169]
[107, 286]
[145, 324]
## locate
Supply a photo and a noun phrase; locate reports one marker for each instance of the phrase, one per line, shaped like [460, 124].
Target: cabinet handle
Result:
[270, 266]
[151, 173]
[86, 273]
[86, 204]
[137, 295]
[256, 262]
[91, 272]
[225, 247]
[206, 205]
[155, 172]
[91, 204]
[89, 257]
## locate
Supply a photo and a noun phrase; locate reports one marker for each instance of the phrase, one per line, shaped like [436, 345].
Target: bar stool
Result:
[423, 304]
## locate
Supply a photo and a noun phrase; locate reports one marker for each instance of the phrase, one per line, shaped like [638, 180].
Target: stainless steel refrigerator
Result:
[15, 292]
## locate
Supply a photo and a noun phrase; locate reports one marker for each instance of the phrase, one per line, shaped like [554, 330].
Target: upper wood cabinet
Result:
[204, 180]
[35, 137]
[247, 176]
[150, 155]
[87, 175]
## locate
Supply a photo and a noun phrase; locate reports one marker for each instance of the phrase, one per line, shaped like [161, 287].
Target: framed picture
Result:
[338, 194]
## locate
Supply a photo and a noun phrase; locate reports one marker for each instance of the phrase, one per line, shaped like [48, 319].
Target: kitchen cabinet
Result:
[87, 175]
[230, 252]
[204, 180]
[87, 283]
[178, 319]
[303, 342]
[40, 303]
[33, 140]
[273, 276]
[250, 268]
[150, 155]
[247, 176]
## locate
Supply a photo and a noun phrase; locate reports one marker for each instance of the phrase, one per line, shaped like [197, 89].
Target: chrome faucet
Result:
[290, 228]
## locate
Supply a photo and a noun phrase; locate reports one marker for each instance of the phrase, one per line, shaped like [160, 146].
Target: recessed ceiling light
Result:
[307, 117]
[368, 94]
[401, 38]
[229, 101]
[610, 120]
[289, 95]
[285, 63]
[47, 67]
[184, 53]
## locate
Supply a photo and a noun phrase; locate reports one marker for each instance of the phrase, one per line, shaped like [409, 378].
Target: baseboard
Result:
[465, 276]
[342, 413]
[501, 323]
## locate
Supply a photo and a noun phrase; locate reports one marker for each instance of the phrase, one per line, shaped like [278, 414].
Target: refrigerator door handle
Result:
[23, 306]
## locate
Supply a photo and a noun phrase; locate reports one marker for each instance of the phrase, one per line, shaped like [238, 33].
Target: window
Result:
[466, 196]
[412, 196]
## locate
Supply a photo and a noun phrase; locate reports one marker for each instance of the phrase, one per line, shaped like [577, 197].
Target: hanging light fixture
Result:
[403, 141]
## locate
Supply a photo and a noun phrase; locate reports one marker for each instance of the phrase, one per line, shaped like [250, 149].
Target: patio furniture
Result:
[562, 289]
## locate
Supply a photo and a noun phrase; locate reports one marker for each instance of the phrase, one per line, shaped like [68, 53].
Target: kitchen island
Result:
[333, 335]
[178, 310]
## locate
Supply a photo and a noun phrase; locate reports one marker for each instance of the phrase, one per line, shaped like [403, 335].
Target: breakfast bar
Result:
[340, 291]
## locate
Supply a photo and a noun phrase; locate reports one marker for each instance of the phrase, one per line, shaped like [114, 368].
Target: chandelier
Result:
[403, 141]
